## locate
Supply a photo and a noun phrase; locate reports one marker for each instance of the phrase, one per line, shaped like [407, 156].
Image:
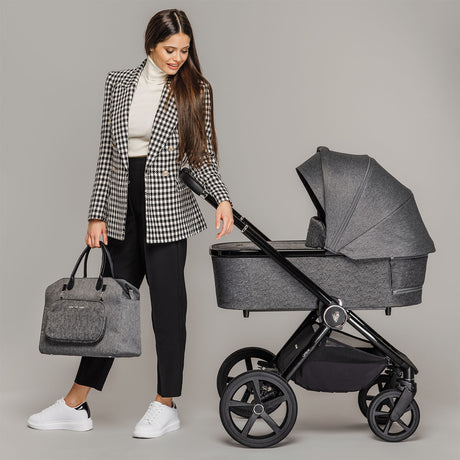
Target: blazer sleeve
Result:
[97, 207]
[208, 174]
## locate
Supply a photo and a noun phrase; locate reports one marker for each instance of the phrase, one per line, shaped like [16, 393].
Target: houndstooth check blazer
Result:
[172, 212]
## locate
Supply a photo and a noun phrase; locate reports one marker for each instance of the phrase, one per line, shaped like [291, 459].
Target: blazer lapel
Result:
[165, 117]
[122, 97]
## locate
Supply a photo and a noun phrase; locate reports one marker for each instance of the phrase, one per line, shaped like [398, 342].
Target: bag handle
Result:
[85, 264]
[85, 253]
[106, 252]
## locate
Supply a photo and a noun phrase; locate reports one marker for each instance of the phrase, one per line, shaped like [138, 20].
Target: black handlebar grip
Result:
[190, 181]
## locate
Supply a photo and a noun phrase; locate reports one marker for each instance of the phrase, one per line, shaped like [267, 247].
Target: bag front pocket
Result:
[76, 321]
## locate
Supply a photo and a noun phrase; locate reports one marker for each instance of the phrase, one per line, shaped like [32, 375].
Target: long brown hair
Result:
[186, 86]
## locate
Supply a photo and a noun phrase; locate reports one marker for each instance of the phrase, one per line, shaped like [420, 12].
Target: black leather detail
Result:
[84, 406]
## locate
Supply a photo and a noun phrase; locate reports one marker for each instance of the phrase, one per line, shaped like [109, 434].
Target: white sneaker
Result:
[158, 420]
[60, 416]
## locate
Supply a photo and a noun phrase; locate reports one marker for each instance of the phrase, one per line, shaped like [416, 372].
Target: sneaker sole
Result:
[69, 425]
[149, 434]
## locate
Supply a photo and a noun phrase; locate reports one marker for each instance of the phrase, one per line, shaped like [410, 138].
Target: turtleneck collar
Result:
[152, 73]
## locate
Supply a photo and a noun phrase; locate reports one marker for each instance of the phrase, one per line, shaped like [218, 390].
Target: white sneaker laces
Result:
[153, 412]
[46, 409]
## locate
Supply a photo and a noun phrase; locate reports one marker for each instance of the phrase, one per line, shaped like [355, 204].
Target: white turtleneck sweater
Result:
[143, 108]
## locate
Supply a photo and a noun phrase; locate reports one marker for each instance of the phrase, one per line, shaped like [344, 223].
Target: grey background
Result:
[372, 77]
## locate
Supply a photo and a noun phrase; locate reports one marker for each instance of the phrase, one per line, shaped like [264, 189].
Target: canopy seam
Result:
[411, 196]
[353, 205]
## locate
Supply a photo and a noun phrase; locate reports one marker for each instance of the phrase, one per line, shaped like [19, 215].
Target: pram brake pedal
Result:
[263, 365]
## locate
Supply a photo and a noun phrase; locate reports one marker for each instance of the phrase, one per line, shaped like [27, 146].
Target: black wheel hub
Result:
[258, 409]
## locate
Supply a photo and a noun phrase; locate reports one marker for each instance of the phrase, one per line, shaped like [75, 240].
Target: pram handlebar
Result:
[258, 238]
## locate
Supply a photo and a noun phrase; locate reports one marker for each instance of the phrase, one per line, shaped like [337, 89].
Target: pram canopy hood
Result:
[367, 212]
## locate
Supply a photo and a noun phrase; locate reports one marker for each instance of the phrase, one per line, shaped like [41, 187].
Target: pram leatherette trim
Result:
[247, 279]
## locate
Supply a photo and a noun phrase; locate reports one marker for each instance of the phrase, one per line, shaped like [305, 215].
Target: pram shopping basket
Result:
[366, 249]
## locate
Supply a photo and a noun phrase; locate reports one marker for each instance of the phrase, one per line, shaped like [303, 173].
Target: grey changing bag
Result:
[97, 317]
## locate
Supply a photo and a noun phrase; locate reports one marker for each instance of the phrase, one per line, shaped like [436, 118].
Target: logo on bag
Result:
[76, 306]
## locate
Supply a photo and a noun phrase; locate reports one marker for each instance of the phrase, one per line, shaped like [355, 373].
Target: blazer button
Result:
[111, 143]
[171, 148]
[165, 173]
[114, 168]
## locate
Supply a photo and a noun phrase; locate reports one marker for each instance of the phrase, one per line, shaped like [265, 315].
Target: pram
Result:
[366, 249]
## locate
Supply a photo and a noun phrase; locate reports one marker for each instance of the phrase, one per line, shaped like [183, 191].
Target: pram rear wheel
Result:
[381, 423]
[269, 402]
[242, 360]
[366, 395]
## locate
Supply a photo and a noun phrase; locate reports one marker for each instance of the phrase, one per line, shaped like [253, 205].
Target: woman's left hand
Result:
[224, 213]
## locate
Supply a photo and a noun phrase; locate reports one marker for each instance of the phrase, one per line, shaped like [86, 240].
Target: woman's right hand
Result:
[96, 227]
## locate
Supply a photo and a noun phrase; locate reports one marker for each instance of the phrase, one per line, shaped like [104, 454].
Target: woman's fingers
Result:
[222, 232]
[89, 239]
[227, 222]
[104, 234]
[93, 235]
[219, 218]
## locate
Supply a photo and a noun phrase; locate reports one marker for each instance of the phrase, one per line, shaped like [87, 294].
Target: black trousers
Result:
[163, 264]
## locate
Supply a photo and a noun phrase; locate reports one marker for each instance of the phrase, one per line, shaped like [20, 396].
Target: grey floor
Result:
[328, 426]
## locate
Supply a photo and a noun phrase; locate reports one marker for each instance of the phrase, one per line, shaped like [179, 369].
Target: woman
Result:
[144, 212]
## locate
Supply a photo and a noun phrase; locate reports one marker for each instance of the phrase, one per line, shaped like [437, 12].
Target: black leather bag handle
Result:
[85, 263]
[105, 256]
[106, 252]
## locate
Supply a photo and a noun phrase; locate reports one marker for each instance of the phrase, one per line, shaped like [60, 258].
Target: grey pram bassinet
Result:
[367, 246]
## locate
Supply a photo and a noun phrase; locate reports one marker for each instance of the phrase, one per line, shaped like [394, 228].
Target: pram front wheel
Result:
[269, 402]
[380, 421]
[242, 360]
